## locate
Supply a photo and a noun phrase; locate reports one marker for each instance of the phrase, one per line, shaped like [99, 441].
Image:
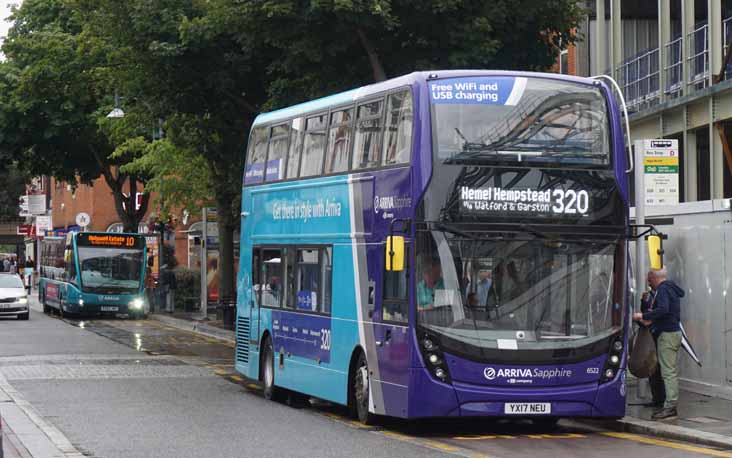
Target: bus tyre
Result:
[271, 392]
[361, 394]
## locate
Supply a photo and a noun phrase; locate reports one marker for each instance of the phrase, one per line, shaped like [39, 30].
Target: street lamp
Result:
[116, 111]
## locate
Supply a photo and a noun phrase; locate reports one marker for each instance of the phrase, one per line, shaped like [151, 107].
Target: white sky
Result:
[4, 12]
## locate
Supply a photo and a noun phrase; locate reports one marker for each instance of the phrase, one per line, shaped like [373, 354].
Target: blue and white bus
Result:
[91, 273]
[503, 288]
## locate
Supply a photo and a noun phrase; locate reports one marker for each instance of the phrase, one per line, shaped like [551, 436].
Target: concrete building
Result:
[672, 59]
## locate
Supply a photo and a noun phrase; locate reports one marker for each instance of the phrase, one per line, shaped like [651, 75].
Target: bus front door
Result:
[391, 333]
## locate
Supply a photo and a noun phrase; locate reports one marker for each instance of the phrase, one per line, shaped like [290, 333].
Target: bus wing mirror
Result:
[394, 253]
[655, 252]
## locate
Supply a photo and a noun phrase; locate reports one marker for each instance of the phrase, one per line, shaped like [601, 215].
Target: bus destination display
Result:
[554, 202]
[110, 241]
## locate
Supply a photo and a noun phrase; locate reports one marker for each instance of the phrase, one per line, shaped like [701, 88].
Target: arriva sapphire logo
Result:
[110, 298]
[513, 374]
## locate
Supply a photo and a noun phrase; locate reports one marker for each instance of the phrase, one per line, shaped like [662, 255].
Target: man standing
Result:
[484, 287]
[664, 317]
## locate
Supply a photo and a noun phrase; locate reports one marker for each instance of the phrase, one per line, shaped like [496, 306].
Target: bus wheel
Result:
[271, 392]
[361, 392]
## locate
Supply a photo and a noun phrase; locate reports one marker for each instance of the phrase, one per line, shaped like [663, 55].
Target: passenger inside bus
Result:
[431, 281]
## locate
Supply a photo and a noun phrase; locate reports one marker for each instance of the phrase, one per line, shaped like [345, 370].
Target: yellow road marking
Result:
[556, 436]
[237, 378]
[417, 440]
[220, 372]
[484, 437]
[440, 445]
[252, 386]
[667, 444]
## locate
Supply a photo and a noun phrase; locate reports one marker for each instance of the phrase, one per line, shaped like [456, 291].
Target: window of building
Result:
[297, 132]
[369, 132]
[398, 137]
[312, 155]
[339, 141]
[254, 170]
[278, 143]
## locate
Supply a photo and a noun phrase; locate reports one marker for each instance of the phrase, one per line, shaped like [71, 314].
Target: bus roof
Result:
[343, 98]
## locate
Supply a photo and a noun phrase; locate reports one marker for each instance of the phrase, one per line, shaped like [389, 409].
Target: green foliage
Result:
[208, 67]
[13, 179]
[55, 90]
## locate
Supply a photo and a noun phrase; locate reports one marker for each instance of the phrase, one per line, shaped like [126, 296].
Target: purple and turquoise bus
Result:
[503, 288]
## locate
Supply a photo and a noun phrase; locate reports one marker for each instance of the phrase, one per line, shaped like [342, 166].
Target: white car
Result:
[13, 297]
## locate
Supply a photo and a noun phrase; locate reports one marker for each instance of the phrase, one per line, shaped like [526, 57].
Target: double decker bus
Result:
[449, 243]
[91, 273]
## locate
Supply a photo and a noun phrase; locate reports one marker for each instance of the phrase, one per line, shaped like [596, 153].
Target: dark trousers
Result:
[658, 389]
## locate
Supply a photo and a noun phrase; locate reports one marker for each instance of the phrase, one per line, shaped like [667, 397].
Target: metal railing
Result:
[639, 79]
[698, 58]
[673, 68]
[726, 36]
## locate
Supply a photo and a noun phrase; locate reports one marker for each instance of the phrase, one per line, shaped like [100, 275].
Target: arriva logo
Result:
[491, 373]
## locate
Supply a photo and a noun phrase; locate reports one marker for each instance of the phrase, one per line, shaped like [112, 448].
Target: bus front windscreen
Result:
[519, 121]
[537, 294]
[110, 270]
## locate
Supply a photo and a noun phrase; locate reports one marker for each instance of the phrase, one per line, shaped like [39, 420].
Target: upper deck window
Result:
[398, 137]
[278, 144]
[367, 148]
[339, 141]
[312, 154]
[254, 171]
[506, 120]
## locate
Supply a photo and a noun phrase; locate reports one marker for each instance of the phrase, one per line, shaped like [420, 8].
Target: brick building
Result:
[96, 200]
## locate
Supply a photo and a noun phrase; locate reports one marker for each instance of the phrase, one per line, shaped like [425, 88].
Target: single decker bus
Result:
[447, 243]
[92, 273]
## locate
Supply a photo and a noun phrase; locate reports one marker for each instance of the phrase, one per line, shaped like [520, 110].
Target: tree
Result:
[14, 180]
[55, 95]
[211, 66]
[327, 46]
[176, 55]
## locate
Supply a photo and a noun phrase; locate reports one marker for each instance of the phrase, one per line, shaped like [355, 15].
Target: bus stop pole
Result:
[204, 264]
[640, 218]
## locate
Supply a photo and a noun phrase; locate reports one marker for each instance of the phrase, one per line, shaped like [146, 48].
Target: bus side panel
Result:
[246, 354]
[313, 212]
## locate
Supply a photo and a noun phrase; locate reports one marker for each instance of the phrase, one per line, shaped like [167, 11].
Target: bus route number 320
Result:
[570, 202]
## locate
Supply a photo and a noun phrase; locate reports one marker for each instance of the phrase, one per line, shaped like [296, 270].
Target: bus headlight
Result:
[136, 304]
[81, 302]
[614, 360]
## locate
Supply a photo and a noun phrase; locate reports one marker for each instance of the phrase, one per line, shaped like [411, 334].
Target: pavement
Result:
[110, 388]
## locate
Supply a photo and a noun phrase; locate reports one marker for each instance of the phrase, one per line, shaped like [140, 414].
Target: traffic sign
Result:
[83, 219]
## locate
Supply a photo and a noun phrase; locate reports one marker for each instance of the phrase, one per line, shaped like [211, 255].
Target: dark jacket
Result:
[664, 308]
